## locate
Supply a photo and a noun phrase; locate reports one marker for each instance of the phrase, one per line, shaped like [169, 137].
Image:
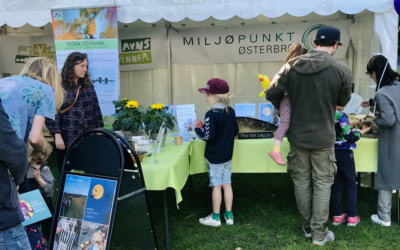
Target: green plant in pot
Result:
[127, 117]
[153, 119]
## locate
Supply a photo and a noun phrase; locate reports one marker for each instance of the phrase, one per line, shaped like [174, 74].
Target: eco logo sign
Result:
[309, 36]
[26, 52]
[135, 51]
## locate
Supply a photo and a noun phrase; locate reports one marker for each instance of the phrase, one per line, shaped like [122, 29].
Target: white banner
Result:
[257, 43]
[14, 51]
[141, 49]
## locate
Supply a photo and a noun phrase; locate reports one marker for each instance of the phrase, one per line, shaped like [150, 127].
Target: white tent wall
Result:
[146, 86]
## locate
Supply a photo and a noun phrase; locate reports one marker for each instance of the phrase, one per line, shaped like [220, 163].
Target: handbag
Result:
[76, 98]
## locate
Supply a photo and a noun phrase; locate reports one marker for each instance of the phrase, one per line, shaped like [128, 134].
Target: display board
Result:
[101, 197]
[85, 213]
[92, 31]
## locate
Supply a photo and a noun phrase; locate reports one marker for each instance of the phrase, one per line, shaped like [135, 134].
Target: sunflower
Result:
[157, 106]
[132, 104]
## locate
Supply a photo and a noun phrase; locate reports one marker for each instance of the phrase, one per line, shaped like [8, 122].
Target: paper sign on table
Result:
[353, 106]
[245, 110]
[265, 112]
[186, 117]
[33, 207]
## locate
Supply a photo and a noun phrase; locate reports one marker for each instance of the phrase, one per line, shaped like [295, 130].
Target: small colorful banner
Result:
[33, 207]
[93, 31]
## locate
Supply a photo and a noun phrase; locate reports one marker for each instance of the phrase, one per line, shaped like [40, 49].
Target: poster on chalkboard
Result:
[85, 213]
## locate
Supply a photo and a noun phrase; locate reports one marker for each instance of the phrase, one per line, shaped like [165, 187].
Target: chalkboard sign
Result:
[255, 135]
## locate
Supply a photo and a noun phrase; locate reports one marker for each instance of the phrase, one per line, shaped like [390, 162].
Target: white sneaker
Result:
[306, 231]
[375, 218]
[229, 221]
[329, 237]
[209, 221]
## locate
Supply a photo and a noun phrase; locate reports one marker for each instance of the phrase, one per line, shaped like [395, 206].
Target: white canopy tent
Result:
[374, 31]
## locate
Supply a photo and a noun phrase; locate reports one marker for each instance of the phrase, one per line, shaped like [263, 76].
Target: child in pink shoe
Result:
[295, 50]
[346, 139]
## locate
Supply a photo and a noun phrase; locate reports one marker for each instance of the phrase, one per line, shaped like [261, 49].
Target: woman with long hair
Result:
[28, 100]
[31, 97]
[296, 50]
[387, 117]
[80, 111]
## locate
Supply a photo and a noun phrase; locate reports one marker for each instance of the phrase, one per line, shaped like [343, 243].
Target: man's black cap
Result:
[329, 33]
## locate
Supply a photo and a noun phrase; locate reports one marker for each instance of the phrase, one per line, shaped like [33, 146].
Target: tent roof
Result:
[16, 13]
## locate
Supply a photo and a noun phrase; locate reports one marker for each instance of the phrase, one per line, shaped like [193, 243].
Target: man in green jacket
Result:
[316, 84]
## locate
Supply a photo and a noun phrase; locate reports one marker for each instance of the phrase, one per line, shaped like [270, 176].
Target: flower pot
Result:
[155, 135]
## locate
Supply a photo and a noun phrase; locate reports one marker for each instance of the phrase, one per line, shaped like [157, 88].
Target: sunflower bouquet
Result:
[127, 116]
[154, 116]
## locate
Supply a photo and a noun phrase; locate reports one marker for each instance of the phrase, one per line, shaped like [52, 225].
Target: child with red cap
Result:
[219, 131]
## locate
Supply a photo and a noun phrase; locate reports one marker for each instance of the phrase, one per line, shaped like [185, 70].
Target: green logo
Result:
[310, 35]
[135, 51]
[130, 45]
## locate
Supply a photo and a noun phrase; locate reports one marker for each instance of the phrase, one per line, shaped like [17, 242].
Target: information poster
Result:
[85, 213]
[186, 117]
[33, 207]
[92, 31]
[245, 110]
[265, 112]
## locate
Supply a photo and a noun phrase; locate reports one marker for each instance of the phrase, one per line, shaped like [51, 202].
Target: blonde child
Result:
[40, 177]
[219, 131]
[295, 50]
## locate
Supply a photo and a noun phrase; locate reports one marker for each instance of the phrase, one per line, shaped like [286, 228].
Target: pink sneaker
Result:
[277, 157]
[353, 221]
[337, 220]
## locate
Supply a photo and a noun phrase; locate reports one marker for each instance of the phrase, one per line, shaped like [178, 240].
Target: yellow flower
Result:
[160, 105]
[132, 104]
[124, 99]
[157, 106]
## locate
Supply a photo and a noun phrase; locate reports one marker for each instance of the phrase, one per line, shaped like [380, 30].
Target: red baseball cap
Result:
[215, 86]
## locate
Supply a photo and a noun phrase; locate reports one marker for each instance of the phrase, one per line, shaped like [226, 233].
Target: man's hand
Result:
[19, 199]
[365, 103]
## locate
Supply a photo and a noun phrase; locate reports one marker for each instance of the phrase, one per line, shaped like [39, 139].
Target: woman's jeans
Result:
[384, 204]
[14, 238]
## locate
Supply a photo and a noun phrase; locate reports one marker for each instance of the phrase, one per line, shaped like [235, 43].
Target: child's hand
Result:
[365, 130]
[36, 173]
[199, 124]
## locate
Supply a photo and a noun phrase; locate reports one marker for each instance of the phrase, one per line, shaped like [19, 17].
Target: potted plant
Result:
[127, 117]
[153, 119]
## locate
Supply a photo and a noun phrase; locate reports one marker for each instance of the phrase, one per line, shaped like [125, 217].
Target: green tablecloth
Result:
[173, 170]
[251, 156]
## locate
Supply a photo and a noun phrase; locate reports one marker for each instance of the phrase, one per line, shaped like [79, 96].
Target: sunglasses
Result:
[80, 57]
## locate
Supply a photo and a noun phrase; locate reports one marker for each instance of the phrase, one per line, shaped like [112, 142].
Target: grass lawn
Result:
[266, 217]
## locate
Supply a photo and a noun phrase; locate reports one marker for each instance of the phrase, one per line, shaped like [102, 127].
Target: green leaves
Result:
[153, 119]
[127, 119]
[131, 119]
